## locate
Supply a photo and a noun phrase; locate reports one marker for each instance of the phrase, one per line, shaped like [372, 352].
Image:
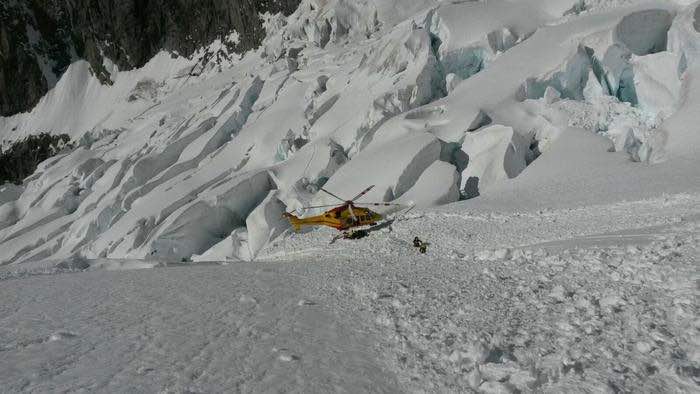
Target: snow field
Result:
[99, 331]
[591, 298]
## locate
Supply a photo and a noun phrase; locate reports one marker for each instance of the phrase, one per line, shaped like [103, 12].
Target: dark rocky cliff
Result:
[40, 38]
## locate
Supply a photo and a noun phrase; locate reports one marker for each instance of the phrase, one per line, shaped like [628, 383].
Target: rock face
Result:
[40, 38]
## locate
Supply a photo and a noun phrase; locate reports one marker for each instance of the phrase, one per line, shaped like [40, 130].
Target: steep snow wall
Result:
[495, 153]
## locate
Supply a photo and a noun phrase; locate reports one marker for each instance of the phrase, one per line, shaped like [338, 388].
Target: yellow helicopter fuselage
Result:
[339, 218]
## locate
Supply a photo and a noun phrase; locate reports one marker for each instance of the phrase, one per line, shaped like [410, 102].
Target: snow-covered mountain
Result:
[39, 39]
[551, 148]
[197, 157]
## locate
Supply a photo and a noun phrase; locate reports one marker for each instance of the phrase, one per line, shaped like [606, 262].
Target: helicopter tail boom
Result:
[293, 220]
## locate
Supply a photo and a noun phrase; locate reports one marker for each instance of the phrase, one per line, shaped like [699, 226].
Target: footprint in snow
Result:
[61, 335]
[244, 299]
[285, 355]
[144, 370]
[288, 357]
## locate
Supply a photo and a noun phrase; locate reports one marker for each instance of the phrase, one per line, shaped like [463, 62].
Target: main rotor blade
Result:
[331, 194]
[382, 204]
[362, 193]
[322, 206]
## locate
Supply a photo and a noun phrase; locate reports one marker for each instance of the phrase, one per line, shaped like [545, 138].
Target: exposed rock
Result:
[23, 157]
[39, 39]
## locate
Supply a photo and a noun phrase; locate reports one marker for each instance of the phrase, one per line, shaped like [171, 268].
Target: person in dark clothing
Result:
[422, 246]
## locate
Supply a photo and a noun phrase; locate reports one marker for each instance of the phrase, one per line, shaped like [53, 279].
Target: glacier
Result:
[336, 91]
[549, 149]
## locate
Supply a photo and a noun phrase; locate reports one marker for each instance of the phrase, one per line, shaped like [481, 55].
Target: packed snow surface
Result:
[563, 135]
[592, 298]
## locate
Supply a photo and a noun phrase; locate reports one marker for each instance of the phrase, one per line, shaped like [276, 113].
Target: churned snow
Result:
[596, 297]
[563, 135]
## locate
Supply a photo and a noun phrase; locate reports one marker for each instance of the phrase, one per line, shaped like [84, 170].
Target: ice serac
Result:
[197, 226]
[399, 72]
[495, 153]
[393, 168]
[437, 185]
[592, 92]
[683, 36]
[332, 21]
[300, 177]
[551, 94]
[451, 81]
[548, 180]
[468, 45]
[680, 134]
[265, 223]
[569, 81]
[232, 248]
[656, 83]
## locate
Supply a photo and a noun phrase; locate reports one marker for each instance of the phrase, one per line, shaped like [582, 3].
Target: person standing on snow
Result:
[422, 246]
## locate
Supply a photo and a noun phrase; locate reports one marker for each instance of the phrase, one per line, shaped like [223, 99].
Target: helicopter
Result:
[348, 215]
